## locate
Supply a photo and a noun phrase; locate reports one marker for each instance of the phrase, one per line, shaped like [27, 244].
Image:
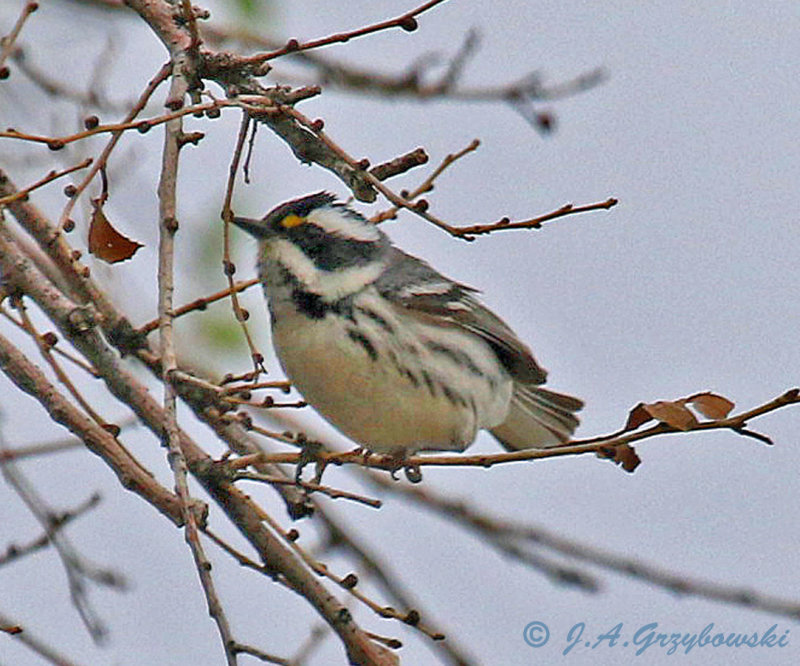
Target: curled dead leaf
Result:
[711, 405]
[673, 413]
[105, 242]
[637, 416]
[623, 455]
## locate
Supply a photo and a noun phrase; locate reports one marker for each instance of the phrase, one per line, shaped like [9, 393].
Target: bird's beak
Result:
[255, 228]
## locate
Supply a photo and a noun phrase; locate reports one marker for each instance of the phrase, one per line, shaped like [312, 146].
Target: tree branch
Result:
[406, 21]
[600, 444]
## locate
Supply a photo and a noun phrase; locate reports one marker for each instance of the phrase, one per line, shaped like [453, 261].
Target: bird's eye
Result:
[291, 221]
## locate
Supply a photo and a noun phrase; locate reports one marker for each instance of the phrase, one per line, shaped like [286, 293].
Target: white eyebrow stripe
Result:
[343, 223]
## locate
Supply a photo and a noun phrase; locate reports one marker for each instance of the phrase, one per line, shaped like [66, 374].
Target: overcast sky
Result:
[689, 284]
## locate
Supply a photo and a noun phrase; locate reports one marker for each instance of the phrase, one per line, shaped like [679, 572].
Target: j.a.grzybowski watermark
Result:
[648, 636]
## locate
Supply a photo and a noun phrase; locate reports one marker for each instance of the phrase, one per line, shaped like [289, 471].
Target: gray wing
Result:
[412, 284]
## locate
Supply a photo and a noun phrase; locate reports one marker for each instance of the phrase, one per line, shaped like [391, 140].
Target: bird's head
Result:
[324, 245]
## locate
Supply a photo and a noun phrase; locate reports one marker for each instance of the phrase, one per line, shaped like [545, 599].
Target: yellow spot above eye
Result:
[292, 220]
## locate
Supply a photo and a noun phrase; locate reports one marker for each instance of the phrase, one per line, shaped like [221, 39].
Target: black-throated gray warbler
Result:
[395, 355]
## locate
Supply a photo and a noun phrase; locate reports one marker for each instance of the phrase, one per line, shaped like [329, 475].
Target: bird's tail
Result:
[538, 418]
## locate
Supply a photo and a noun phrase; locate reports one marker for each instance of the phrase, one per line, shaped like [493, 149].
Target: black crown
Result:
[301, 207]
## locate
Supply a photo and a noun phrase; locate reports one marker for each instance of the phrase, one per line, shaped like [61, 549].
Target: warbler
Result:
[394, 354]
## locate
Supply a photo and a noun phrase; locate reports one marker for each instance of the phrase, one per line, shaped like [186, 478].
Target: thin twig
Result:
[576, 447]
[333, 493]
[502, 533]
[427, 184]
[57, 446]
[266, 657]
[56, 88]
[199, 304]
[314, 640]
[168, 227]
[57, 521]
[409, 82]
[400, 164]
[77, 569]
[133, 476]
[23, 635]
[102, 159]
[420, 207]
[141, 126]
[53, 175]
[62, 376]
[53, 342]
[227, 217]
[533, 223]
[340, 538]
[282, 385]
[406, 21]
[350, 583]
[20, 452]
[7, 42]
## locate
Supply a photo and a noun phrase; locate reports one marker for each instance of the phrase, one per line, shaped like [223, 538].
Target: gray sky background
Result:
[689, 284]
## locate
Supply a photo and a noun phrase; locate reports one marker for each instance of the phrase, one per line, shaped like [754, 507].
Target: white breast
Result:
[388, 386]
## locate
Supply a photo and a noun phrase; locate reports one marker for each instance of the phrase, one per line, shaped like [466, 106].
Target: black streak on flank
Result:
[411, 376]
[378, 319]
[457, 356]
[429, 382]
[363, 340]
[452, 396]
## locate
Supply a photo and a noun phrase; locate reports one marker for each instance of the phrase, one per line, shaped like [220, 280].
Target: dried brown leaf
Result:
[673, 413]
[623, 455]
[626, 456]
[636, 417]
[107, 243]
[711, 405]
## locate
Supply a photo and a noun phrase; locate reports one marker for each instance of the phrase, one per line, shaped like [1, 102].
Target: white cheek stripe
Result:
[330, 285]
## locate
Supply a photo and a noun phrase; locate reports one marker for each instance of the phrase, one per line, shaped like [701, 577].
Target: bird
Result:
[396, 356]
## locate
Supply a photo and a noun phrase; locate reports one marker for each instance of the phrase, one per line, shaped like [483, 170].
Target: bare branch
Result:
[199, 304]
[502, 533]
[7, 42]
[427, 184]
[56, 520]
[102, 159]
[239, 508]
[333, 493]
[132, 475]
[468, 233]
[577, 447]
[51, 176]
[24, 636]
[183, 66]
[406, 21]
[229, 267]
[76, 567]
[519, 94]
[400, 164]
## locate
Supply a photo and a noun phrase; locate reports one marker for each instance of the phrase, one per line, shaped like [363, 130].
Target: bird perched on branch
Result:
[395, 355]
